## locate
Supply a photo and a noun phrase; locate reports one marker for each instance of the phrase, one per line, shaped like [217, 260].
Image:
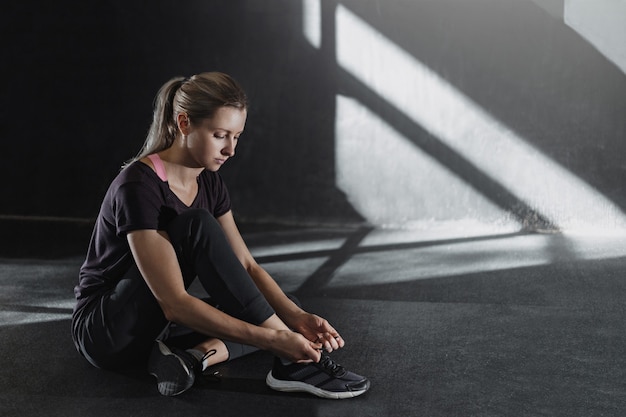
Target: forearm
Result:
[205, 319]
[284, 307]
[271, 335]
[314, 328]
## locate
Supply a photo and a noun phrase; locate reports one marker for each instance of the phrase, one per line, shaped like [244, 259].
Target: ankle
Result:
[210, 352]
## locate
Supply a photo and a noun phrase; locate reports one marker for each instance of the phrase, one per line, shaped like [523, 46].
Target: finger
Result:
[310, 353]
[318, 345]
[315, 354]
[337, 341]
[323, 339]
[328, 346]
[331, 342]
[340, 342]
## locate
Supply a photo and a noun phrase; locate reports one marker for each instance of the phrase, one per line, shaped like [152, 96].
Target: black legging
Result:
[117, 328]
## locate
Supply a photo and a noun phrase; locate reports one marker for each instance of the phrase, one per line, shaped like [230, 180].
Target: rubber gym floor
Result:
[443, 324]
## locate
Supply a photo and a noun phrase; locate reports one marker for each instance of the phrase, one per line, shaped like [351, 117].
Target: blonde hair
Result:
[199, 97]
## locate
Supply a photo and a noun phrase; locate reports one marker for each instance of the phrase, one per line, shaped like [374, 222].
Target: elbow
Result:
[174, 310]
[170, 313]
[252, 268]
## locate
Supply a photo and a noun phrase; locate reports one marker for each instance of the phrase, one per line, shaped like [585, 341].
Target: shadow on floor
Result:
[501, 325]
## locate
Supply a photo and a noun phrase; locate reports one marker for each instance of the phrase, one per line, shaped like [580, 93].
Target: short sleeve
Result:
[137, 206]
[217, 196]
[222, 199]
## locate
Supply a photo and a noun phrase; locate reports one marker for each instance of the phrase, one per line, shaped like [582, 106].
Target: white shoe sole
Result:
[297, 386]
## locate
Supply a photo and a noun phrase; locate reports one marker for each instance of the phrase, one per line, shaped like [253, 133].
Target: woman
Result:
[165, 220]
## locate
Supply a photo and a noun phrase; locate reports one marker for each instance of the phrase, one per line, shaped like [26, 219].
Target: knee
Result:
[192, 220]
[194, 226]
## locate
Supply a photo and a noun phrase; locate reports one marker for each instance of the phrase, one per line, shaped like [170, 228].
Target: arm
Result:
[158, 264]
[311, 326]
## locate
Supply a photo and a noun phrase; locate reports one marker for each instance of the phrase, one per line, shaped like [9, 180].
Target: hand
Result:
[316, 329]
[295, 347]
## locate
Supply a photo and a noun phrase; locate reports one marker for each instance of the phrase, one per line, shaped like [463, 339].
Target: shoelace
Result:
[215, 374]
[208, 355]
[327, 363]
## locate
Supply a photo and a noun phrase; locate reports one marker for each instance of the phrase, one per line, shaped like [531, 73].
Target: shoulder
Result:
[137, 172]
[136, 199]
[135, 179]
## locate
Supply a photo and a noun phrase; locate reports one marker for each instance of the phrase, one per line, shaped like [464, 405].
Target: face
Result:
[211, 142]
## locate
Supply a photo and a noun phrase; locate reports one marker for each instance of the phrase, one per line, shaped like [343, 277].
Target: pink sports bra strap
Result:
[158, 166]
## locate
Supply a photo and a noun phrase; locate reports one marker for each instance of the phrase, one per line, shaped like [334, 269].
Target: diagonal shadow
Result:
[355, 249]
[529, 218]
[351, 247]
[477, 61]
[322, 276]
[565, 283]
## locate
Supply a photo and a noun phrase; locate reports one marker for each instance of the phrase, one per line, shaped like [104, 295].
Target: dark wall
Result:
[79, 79]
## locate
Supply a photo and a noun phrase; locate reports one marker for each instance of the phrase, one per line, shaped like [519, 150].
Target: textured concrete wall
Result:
[328, 138]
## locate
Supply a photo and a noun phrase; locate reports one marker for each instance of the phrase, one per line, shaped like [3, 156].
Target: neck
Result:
[177, 168]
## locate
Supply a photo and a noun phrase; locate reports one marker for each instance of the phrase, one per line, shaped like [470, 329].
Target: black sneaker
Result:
[175, 369]
[326, 379]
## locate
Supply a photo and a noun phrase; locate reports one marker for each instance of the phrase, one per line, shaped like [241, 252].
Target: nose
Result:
[229, 148]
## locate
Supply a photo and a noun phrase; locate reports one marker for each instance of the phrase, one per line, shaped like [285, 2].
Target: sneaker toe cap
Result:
[358, 386]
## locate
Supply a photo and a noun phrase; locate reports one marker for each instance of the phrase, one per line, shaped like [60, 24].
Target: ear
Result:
[182, 120]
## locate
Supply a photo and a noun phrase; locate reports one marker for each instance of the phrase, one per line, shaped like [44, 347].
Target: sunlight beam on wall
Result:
[462, 125]
[395, 171]
[602, 23]
[312, 21]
